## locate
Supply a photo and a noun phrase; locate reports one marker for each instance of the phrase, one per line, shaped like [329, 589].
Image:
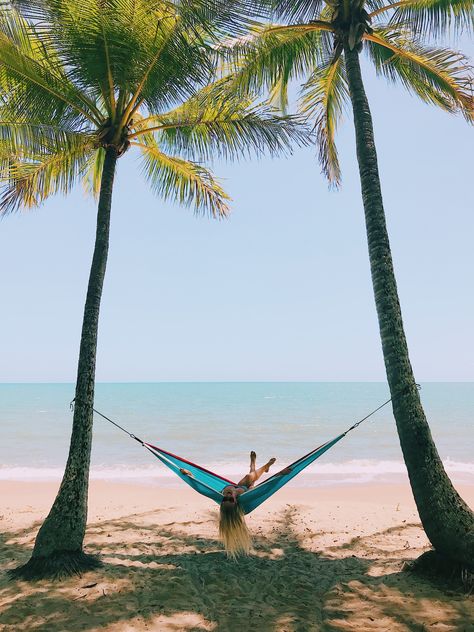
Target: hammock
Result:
[211, 485]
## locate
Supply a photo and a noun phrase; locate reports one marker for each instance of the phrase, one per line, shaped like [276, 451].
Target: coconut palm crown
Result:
[310, 47]
[82, 83]
[81, 78]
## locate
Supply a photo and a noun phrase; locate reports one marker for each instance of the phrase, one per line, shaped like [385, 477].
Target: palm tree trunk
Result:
[58, 547]
[447, 520]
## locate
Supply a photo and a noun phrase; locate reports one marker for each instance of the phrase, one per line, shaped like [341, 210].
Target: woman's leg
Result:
[254, 474]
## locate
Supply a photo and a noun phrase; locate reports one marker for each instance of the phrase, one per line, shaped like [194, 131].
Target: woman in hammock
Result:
[232, 526]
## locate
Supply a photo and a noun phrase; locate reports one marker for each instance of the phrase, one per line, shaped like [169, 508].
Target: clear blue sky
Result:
[280, 291]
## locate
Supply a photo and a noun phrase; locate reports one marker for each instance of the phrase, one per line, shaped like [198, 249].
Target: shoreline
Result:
[324, 559]
[319, 475]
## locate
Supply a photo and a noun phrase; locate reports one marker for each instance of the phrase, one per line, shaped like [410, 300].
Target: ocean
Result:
[217, 424]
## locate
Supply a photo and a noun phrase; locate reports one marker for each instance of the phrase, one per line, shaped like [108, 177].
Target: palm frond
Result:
[372, 6]
[32, 139]
[144, 48]
[217, 19]
[323, 98]
[218, 122]
[92, 175]
[433, 17]
[36, 86]
[272, 56]
[278, 95]
[183, 181]
[27, 182]
[297, 10]
[437, 75]
[25, 37]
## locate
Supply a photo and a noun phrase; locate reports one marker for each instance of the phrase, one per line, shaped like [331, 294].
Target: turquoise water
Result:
[217, 424]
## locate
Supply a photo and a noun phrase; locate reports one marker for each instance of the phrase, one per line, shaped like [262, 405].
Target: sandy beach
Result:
[325, 559]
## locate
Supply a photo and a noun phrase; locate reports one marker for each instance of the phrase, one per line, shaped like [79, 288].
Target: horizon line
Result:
[263, 381]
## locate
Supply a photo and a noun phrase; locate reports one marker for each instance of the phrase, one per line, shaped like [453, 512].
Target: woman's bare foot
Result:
[269, 464]
[186, 472]
[253, 458]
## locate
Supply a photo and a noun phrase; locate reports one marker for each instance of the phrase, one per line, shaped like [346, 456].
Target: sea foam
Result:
[356, 471]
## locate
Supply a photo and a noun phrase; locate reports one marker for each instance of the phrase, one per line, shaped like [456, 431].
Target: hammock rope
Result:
[211, 485]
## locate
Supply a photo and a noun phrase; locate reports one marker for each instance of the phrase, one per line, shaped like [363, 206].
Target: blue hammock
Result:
[211, 485]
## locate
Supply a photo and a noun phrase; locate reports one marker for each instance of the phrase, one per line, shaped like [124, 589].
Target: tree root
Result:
[436, 567]
[57, 566]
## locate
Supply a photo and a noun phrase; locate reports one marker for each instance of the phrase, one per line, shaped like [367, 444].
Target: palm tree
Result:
[83, 83]
[321, 42]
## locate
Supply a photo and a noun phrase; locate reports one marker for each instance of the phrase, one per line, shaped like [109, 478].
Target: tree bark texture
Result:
[64, 528]
[447, 520]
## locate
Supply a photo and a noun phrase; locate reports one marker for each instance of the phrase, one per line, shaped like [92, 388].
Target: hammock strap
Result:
[396, 396]
[130, 434]
[153, 448]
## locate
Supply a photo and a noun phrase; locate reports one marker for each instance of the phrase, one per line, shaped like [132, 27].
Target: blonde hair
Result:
[233, 530]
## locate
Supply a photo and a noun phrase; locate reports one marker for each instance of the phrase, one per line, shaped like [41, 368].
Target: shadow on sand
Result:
[167, 579]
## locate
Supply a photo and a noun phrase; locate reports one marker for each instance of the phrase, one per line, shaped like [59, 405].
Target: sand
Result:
[326, 559]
